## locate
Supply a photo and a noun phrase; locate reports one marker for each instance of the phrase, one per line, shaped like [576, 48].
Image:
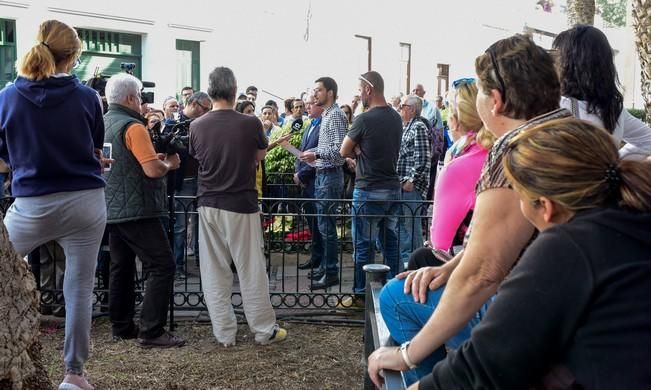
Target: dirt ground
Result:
[312, 357]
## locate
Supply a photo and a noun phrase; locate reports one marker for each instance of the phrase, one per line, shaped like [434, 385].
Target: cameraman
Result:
[135, 200]
[195, 106]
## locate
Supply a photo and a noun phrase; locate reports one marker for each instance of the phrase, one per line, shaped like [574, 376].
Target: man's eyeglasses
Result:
[498, 76]
[465, 81]
[405, 105]
[77, 63]
[202, 106]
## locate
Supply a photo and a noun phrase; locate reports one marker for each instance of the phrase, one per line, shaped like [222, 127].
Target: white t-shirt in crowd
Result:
[629, 129]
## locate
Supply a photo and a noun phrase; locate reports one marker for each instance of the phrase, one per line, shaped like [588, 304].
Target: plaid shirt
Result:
[333, 129]
[415, 158]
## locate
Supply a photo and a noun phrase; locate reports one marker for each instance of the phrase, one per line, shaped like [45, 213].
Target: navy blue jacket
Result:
[48, 132]
[307, 174]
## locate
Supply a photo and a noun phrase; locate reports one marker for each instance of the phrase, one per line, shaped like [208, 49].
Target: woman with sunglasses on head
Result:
[52, 133]
[434, 307]
[464, 119]
[579, 299]
[590, 88]
[454, 197]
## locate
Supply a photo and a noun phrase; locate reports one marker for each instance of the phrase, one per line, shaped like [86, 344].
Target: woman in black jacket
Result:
[574, 312]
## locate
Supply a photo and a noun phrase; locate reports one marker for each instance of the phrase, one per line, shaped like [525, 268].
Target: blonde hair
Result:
[462, 105]
[57, 43]
[577, 166]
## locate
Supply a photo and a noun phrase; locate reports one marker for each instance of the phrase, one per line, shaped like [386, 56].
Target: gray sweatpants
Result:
[75, 220]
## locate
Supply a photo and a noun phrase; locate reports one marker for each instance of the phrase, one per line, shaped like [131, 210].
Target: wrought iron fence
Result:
[288, 243]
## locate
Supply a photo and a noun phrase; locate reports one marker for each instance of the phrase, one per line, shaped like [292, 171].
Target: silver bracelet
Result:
[405, 355]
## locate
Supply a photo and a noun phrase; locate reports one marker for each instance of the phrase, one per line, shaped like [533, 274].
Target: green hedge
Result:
[639, 113]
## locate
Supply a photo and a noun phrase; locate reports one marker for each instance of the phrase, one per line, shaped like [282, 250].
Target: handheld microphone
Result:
[297, 125]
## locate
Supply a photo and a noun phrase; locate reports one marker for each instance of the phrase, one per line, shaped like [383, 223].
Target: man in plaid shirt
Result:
[414, 164]
[329, 183]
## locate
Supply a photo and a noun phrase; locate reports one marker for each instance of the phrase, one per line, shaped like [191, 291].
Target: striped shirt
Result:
[333, 129]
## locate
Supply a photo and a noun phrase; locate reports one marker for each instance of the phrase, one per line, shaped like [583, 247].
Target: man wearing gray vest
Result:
[135, 201]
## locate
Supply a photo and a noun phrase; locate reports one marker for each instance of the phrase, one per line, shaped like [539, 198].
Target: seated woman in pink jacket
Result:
[454, 195]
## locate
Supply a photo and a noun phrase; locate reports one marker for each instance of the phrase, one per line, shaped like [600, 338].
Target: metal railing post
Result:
[376, 274]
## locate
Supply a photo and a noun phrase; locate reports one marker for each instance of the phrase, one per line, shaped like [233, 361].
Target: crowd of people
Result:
[550, 289]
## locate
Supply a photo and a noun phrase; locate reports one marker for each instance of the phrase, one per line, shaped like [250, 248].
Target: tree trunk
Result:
[580, 12]
[20, 348]
[642, 28]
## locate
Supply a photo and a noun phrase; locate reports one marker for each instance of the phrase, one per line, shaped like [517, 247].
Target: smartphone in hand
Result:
[107, 152]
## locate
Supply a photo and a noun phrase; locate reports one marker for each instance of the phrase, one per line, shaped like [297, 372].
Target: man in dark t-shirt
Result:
[374, 140]
[227, 146]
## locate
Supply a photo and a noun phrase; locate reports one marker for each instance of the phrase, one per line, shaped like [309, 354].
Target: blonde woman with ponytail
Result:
[51, 135]
[466, 127]
[454, 197]
[579, 299]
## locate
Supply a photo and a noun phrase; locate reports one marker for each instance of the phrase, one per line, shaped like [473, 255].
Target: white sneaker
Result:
[278, 335]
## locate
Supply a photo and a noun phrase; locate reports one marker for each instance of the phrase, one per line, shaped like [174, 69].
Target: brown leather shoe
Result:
[166, 340]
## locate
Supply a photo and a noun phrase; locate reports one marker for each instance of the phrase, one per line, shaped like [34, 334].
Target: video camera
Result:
[147, 97]
[98, 83]
[175, 140]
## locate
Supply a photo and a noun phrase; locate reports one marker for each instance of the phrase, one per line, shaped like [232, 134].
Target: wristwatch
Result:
[317, 156]
[405, 355]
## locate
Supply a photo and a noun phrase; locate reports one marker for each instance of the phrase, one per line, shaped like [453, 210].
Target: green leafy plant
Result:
[639, 113]
[279, 160]
[613, 12]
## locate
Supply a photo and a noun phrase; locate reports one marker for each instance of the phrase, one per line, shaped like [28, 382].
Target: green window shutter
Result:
[104, 51]
[7, 51]
[188, 65]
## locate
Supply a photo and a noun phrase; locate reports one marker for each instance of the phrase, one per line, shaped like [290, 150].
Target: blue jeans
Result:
[328, 185]
[3, 177]
[182, 213]
[411, 227]
[309, 207]
[375, 215]
[404, 318]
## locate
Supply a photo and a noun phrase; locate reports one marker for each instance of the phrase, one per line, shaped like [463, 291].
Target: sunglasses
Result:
[500, 80]
[465, 81]
[366, 81]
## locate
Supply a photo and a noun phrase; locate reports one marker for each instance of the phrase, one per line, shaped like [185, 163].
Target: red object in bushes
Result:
[303, 235]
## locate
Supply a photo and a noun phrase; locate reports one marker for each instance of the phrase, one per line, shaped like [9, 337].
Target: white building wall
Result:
[264, 41]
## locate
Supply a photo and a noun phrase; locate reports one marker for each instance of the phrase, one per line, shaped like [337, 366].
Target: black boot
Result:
[309, 264]
[316, 274]
[325, 282]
